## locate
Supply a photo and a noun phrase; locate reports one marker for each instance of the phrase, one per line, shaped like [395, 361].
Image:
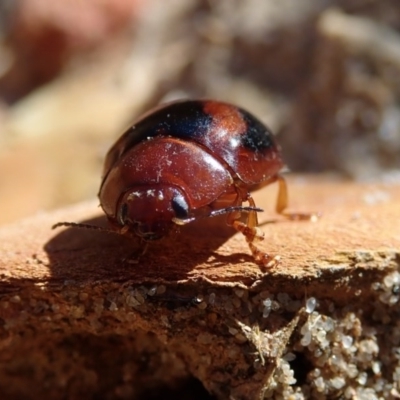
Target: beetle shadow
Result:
[83, 255]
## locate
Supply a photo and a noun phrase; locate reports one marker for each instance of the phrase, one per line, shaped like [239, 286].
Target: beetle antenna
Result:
[84, 226]
[235, 208]
[222, 211]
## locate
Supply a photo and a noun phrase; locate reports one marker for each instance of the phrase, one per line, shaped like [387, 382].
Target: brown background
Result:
[324, 75]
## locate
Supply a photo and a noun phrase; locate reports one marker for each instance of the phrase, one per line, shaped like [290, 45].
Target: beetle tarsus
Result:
[262, 258]
[252, 235]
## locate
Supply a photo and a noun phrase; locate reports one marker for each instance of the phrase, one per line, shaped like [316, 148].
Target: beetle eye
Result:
[180, 207]
[123, 212]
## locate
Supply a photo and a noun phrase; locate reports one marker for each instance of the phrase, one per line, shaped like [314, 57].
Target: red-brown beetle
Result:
[187, 160]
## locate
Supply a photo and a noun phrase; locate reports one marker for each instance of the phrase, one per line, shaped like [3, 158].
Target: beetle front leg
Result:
[253, 234]
[135, 256]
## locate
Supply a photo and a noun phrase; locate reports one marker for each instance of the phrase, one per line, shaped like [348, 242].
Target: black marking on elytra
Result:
[257, 137]
[184, 120]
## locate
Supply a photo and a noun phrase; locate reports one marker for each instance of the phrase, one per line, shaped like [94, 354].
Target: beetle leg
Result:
[253, 234]
[135, 256]
[282, 204]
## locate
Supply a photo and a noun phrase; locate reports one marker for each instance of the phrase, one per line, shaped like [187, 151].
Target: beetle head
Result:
[151, 211]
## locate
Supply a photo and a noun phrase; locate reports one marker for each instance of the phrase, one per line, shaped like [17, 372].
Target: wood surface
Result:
[85, 286]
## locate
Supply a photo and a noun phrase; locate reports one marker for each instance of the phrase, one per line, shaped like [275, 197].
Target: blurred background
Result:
[323, 74]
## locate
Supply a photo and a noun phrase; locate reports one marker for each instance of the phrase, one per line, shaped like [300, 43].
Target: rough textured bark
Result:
[78, 318]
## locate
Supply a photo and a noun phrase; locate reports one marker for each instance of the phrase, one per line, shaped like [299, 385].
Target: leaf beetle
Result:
[191, 159]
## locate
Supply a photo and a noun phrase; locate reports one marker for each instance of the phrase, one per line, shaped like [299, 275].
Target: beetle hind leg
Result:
[282, 204]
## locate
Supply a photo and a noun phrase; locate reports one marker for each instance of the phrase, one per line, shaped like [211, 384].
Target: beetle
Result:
[187, 160]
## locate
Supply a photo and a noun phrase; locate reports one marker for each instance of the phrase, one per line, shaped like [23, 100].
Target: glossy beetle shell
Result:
[182, 161]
